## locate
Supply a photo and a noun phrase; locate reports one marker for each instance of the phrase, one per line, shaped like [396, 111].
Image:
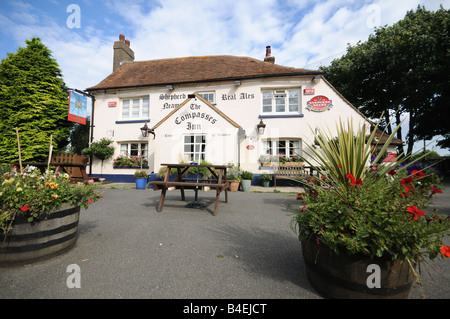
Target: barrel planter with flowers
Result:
[362, 216]
[344, 276]
[39, 214]
[52, 235]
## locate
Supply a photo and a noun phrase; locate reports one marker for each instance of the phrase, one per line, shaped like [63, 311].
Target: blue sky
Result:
[300, 32]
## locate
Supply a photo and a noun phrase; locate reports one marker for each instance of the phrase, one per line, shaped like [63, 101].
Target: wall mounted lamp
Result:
[261, 127]
[237, 82]
[316, 78]
[169, 87]
[145, 130]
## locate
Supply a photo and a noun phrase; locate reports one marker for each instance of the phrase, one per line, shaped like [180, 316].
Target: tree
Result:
[34, 98]
[79, 138]
[401, 69]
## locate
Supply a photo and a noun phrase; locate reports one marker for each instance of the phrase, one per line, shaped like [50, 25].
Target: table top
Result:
[196, 165]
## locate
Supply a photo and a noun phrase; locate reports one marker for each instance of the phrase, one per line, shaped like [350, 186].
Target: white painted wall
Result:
[241, 103]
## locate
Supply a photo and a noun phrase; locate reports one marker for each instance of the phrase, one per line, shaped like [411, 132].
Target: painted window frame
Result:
[197, 151]
[129, 150]
[135, 108]
[274, 146]
[279, 101]
[210, 96]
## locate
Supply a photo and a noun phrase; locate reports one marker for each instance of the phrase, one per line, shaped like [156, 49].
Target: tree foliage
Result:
[401, 69]
[33, 97]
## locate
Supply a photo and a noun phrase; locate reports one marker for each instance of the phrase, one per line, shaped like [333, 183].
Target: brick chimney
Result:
[122, 52]
[269, 58]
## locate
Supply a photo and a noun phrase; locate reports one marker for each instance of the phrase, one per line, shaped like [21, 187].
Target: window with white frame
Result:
[194, 147]
[209, 96]
[134, 149]
[281, 101]
[286, 147]
[135, 108]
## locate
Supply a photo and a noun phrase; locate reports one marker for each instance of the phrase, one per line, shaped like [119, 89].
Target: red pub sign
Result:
[319, 103]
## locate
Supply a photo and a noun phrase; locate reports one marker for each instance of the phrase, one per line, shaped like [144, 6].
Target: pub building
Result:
[221, 109]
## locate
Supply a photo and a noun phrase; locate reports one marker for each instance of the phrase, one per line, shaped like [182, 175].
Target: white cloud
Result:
[299, 31]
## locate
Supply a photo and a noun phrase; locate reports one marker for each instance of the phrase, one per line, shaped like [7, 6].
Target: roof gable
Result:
[207, 103]
[192, 70]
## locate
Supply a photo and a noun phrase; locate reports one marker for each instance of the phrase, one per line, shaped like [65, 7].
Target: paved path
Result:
[128, 250]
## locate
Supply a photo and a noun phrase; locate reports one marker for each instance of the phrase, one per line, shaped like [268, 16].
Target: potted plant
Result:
[265, 179]
[246, 181]
[141, 179]
[360, 214]
[45, 208]
[234, 177]
[101, 149]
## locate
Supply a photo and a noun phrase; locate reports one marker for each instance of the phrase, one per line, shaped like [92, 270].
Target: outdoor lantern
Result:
[261, 127]
[145, 130]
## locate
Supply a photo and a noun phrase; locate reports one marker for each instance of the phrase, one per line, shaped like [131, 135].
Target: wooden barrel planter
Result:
[44, 238]
[342, 276]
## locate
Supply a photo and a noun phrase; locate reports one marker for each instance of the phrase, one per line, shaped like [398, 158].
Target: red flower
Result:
[300, 196]
[24, 208]
[350, 176]
[435, 190]
[445, 251]
[407, 180]
[418, 174]
[90, 201]
[374, 168]
[392, 172]
[339, 165]
[415, 212]
[356, 182]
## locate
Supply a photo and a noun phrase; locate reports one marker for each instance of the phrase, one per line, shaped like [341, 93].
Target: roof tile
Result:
[192, 70]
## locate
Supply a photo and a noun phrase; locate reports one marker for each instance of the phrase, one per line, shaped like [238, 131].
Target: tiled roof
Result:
[193, 70]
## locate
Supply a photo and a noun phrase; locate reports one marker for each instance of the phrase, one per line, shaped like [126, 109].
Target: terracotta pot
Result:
[234, 186]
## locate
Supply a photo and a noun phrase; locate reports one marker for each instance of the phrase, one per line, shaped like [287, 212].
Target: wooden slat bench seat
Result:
[292, 172]
[184, 184]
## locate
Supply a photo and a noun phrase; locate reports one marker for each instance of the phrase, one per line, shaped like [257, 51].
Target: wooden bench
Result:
[292, 172]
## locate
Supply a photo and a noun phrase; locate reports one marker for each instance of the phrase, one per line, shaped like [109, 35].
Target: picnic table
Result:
[219, 182]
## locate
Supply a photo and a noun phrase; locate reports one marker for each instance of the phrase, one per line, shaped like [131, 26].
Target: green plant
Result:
[140, 174]
[370, 208]
[247, 175]
[265, 177]
[34, 195]
[233, 173]
[101, 149]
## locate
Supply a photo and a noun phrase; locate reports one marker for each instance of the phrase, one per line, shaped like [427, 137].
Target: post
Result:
[50, 152]
[18, 146]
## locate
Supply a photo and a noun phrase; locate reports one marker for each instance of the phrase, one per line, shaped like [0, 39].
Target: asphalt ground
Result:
[126, 249]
